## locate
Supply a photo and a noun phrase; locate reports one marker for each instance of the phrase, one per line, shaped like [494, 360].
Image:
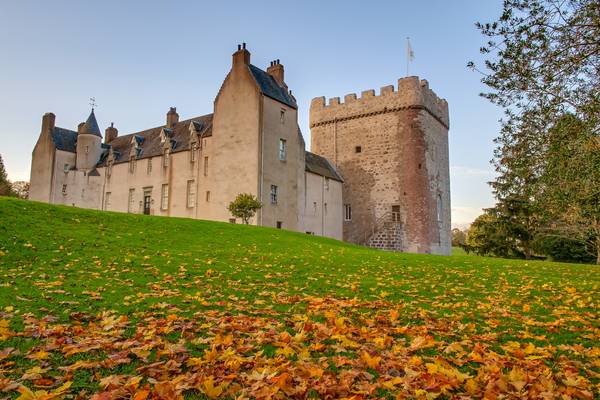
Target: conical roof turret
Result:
[91, 126]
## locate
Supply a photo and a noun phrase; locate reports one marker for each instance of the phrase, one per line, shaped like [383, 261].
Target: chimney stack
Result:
[48, 121]
[276, 71]
[242, 56]
[110, 133]
[172, 117]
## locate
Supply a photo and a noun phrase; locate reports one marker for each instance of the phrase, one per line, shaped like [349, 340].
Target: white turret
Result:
[89, 143]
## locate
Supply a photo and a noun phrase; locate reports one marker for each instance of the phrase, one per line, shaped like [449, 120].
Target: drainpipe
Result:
[262, 157]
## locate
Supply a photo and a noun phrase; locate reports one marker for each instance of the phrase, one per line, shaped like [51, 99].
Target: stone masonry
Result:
[392, 152]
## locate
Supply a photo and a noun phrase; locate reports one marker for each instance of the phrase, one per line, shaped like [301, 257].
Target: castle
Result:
[364, 154]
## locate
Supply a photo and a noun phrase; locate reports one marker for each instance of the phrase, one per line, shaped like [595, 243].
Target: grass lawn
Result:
[107, 305]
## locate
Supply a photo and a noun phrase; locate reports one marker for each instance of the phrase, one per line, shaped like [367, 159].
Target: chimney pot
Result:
[244, 46]
[110, 133]
[239, 47]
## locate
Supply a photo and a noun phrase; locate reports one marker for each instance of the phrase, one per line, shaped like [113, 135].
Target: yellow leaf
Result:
[517, 378]
[372, 362]
[208, 388]
[526, 308]
[285, 351]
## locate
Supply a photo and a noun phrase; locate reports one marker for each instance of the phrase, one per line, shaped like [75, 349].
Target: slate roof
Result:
[149, 140]
[64, 139]
[321, 166]
[270, 88]
[91, 125]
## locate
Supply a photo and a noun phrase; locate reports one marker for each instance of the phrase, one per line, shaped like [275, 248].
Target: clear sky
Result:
[138, 58]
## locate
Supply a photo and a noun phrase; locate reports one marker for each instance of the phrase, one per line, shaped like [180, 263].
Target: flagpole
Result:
[407, 54]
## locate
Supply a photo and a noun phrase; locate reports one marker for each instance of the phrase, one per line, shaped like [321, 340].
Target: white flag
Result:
[411, 53]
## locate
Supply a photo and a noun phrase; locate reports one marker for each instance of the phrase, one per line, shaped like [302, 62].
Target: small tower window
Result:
[347, 212]
[207, 196]
[87, 149]
[282, 149]
[64, 190]
[132, 166]
[358, 149]
[205, 166]
[273, 194]
[282, 115]
[166, 159]
[149, 166]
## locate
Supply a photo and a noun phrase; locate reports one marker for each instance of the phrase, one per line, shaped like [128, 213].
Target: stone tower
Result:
[392, 151]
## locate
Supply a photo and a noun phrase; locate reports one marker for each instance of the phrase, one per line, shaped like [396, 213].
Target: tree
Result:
[21, 189]
[459, 237]
[244, 206]
[543, 58]
[5, 187]
[570, 184]
[490, 234]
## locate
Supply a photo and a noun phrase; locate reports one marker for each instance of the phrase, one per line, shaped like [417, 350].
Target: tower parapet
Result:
[410, 93]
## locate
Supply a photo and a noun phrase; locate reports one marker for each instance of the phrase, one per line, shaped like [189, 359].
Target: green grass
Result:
[65, 272]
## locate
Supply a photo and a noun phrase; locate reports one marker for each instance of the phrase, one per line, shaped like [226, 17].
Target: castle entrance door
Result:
[147, 203]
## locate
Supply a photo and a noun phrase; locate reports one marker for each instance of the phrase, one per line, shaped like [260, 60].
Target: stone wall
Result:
[391, 150]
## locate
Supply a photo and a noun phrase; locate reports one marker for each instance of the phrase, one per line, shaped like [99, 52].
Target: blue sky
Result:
[138, 58]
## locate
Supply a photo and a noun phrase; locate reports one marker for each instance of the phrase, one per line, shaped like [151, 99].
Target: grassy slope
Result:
[74, 264]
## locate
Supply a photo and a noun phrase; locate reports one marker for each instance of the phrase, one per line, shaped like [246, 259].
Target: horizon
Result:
[136, 94]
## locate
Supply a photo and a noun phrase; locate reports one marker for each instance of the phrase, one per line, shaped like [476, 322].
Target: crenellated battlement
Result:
[410, 93]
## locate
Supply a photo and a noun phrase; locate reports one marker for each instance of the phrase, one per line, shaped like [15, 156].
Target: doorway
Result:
[147, 201]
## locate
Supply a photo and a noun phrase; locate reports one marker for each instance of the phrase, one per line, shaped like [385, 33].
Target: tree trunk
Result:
[598, 249]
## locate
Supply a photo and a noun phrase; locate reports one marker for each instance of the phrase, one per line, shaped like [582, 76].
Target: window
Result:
[273, 194]
[87, 149]
[149, 166]
[132, 166]
[396, 213]
[282, 115]
[109, 170]
[166, 159]
[232, 220]
[64, 190]
[326, 183]
[193, 150]
[164, 198]
[314, 207]
[66, 168]
[205, 166]
[439, 209]
[325, 209]
[279, 224]
[131, 203]
[347, 212]
[358, 149]
[282, 149]
[207, 196]
[191, 193]
[107, 201]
